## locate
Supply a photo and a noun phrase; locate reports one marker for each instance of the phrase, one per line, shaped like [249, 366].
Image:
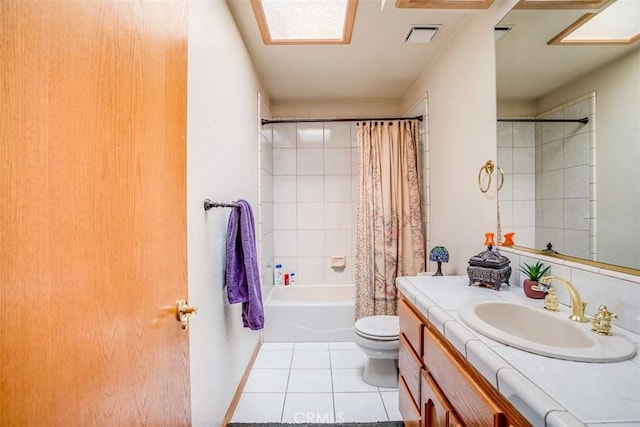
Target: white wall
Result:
[460, 84]
[222, 164]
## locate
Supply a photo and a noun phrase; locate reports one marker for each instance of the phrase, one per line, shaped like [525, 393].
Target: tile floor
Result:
[313, 383]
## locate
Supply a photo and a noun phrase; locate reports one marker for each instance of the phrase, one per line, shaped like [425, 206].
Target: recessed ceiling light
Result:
[420, 33]
[305, 21]
[618, 23]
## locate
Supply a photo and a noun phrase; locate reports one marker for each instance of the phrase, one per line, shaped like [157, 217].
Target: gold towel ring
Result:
[501, 178]
[488, 168]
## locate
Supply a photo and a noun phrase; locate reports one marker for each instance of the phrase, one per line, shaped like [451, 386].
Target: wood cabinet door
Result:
[434, 406]
[459, 384]
[93, 213]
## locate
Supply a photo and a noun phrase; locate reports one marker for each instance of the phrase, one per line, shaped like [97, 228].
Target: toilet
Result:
[378, 337]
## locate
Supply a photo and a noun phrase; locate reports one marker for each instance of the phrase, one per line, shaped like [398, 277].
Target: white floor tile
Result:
[267, 381]
[390, 399]
[342, 359]
[270, 359]
[350, 380]
[310, 381]
[276, 346]
[308, 408]
[359, 407]
[312, 346]
[259, 407]
[343, 345]
[311, 359]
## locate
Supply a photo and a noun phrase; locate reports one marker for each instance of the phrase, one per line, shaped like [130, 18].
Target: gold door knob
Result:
[184, 311]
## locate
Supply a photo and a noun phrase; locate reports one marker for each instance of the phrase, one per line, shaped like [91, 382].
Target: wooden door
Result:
[92, 214]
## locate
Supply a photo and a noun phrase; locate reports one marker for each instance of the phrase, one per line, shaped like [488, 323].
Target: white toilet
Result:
[378, 337]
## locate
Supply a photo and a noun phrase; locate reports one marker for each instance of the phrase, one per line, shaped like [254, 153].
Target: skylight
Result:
[305, 21]
[618, 23]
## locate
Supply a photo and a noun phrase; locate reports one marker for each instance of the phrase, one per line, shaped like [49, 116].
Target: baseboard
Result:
[236, 397]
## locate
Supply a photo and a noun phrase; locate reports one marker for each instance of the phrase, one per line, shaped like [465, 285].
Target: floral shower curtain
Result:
[389, 231]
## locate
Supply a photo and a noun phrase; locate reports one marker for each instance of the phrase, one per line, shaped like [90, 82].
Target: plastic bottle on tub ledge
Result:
[278, 276]
[292, 279]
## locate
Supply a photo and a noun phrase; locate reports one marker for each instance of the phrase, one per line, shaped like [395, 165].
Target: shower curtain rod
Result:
[583, 120]
[364, 119]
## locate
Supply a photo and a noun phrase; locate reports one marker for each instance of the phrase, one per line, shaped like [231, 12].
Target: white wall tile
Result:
[285, 217]
[552, 184]
[310, 216]
[310, 270]
[337, 216]
[552, 156]
[337, 243]
[284, 161]
[524, 186]
[576, 182]
[576, 150]
[310, 188]
[337, 161]
[310, 243]
[310, 161]
[524, 160]
[338, 188]
[284, 135]
[576, 214]
[309, 135]
[337, 134]
[505, 134]
[284, 189]
[523, 134]
[285, 243]
[553, 213]
[524, 213]
[505, 159]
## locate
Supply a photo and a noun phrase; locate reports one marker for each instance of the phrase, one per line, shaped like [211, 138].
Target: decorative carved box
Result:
[489, 269]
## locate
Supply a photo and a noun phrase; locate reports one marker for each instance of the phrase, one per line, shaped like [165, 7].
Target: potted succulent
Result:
[534, 272]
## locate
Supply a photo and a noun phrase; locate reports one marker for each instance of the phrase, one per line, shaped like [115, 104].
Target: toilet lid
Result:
[379, 326]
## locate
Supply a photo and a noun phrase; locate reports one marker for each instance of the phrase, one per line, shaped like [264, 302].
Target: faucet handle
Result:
[602, 321]
[551, 300]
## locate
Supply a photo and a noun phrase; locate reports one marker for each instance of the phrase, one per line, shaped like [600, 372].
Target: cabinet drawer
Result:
[410, 366]
[408, 410]
[410, 326]
[459, 385]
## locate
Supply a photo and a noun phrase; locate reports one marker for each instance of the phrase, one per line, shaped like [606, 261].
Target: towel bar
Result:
[208, 204]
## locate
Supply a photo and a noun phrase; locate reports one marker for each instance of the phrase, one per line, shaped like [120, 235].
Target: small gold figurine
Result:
[602, 321]
[551, 300]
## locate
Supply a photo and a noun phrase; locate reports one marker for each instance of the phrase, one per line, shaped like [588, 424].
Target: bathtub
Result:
[309, 313]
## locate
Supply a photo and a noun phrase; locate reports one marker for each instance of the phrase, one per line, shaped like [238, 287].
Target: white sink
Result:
[542, 332]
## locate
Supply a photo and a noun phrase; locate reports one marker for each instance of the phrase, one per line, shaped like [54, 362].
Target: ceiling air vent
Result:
[420, 33]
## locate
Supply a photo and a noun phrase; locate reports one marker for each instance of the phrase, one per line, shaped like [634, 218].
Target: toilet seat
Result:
[378, 328]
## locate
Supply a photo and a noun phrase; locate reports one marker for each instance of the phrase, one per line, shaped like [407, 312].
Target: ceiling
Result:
[378, 65]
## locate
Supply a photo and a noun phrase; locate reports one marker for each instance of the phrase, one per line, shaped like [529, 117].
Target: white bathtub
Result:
[309, 313]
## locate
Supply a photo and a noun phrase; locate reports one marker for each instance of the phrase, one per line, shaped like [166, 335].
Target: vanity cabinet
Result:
[438, 386]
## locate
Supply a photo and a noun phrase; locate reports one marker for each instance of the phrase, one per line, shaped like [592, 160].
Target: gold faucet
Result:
[577, 305]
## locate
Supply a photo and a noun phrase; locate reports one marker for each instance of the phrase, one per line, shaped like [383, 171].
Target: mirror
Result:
[574, 185]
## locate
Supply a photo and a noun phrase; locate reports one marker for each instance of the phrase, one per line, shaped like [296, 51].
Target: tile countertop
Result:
[548, 392]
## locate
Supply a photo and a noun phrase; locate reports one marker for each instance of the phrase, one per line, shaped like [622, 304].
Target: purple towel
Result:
[242, 274]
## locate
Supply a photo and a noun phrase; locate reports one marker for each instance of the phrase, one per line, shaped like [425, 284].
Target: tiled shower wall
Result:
[516, 158]
[549, 192]
[264, 213]
[565, 180]
[314, 195]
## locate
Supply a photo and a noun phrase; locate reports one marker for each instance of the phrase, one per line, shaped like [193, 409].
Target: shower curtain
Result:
[389, 231]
